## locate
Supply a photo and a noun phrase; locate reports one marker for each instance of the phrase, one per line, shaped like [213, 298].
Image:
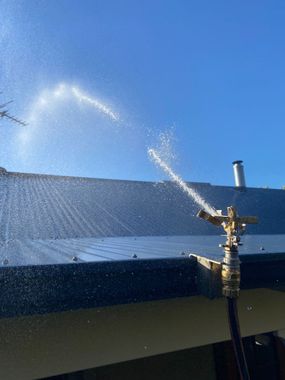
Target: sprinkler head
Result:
[234, 226]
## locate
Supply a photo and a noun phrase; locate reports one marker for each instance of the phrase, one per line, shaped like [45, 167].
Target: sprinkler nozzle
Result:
[209, 218]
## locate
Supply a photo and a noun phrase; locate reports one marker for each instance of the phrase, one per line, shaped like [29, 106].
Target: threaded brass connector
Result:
[230, 281]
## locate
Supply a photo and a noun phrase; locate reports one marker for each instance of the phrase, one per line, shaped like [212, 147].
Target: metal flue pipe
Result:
[239, 173]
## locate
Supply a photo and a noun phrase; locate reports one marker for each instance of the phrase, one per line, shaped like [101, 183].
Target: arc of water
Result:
[82, 97]
[154, 156]
[44, 104]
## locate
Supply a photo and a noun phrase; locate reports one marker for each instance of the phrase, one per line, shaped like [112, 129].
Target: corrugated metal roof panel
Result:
[49, 207]
[66, 251]
[68, 243]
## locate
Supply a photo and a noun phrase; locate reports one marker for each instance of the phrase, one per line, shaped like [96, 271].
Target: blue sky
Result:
[212, 70]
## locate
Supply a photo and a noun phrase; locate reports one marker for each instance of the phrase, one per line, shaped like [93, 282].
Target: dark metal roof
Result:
[50, 207]
[67, 243]
[83, 250]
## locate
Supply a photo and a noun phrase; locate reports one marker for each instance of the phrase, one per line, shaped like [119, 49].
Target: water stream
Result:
[49, 102]
[93, 102]
[154, 156]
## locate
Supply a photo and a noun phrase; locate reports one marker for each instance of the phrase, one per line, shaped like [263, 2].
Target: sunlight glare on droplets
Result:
[83, 97]
[46, 103]
[154, 156]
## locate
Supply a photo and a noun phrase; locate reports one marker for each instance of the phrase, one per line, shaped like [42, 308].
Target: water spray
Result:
[93, 102]
[154, 156]
[64, 92]
[48, 100]
[234, 227]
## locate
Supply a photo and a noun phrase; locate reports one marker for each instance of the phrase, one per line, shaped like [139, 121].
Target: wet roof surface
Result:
[66, 251]
[69, 243]
[49, 207]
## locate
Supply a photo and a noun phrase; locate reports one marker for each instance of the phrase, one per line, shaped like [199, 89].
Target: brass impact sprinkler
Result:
[234, 227]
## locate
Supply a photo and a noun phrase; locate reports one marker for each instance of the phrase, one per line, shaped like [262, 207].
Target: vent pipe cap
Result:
[239, 173]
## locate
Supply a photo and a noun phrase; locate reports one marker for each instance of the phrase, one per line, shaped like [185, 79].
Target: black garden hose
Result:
[236, 338]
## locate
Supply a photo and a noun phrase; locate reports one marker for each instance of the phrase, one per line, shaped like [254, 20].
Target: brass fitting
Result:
[234, 226]
[231, 275]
